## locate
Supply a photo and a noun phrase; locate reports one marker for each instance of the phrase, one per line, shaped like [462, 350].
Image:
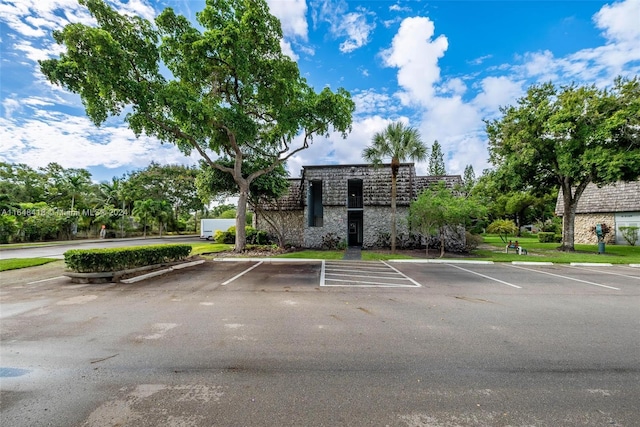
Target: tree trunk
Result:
[395, 165]
[569, 205]
[442, 239]
[241, 215]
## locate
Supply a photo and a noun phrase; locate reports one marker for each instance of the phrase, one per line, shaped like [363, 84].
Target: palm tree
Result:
[76, 185]
[399, 143]
[143, 211]
[162, 211]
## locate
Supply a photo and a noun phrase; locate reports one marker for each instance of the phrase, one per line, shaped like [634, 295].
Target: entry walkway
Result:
[353, 253]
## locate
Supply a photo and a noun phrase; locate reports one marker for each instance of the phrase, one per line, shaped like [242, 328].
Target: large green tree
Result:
[398, 143]
[439, 209]
[223, 87]
[21, 184]
[569, 137]
[436, 160]
[174, 183]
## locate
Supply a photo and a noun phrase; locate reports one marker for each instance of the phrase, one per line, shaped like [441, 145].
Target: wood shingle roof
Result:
[619, 197]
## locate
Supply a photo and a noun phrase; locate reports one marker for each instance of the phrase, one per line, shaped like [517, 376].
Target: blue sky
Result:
[442, 67]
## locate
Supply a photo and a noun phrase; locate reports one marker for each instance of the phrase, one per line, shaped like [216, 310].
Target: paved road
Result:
[57, 250]
[263, 343]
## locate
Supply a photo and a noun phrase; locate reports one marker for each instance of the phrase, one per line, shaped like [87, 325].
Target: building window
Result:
[315, 204]
[354, 200]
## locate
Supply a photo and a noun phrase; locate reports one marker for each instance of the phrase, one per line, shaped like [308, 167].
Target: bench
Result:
[517, 248]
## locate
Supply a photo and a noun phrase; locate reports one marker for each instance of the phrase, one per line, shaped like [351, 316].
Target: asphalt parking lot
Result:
[311, 343]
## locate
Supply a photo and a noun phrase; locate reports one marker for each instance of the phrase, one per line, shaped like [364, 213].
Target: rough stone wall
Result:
[334, 221]
[377, 221]
[584, 223]
[376, 183]
[289, 222]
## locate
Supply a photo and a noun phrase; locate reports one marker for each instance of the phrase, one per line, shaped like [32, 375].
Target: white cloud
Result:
[388, 23]
[355, 26]
[371, 102]
[455, 86]
[620, 21]
[335, 150]
[71, 141]
[416, 56]
[357, 30]
[497, 92]
[10, 106]
[36, 18]
[288, 50]
[397, 8]
[480, 60]
[292, 15]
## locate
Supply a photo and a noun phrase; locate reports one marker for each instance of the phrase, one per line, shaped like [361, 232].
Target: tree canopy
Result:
[569, 137]
[223, 88]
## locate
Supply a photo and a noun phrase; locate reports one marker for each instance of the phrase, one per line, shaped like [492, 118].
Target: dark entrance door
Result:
[355, 228]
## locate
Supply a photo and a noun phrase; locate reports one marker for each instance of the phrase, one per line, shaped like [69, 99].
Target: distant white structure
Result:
[208, 227]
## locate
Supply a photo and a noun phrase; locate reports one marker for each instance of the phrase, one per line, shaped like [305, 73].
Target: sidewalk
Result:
[31, 245]
[353, 253]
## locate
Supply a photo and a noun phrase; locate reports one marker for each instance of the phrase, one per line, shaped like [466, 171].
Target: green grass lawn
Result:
[310, 254]
[548, 252]
[375, 256]
[210, 248]
[542, 252]
[15, 263]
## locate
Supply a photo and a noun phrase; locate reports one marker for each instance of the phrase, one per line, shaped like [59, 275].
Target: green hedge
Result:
[549, 237]
[253, 236]
[116, 259]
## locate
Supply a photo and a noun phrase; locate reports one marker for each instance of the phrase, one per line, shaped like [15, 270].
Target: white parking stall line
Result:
[366, 284]
[567, 277]
[46, 280]
[407, 277]
[352, 271]
[345, 274]
[356, 267]
[394, 277]
[241, 274]
[606, 272]
[486, 277]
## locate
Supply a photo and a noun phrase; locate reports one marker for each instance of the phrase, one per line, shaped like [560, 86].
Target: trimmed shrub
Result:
[630, 234]
[547, 237]
[117, 259]
[256, 237]
[253, 236]
[330, 241]
[472, 241]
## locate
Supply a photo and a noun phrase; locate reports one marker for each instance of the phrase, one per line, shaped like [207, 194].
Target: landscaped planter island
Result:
[114, 265]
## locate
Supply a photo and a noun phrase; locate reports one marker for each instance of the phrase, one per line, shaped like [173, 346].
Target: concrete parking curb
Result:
[591, 264]
[442, 261]
[160, 272]
[267, 260]
[531, 263]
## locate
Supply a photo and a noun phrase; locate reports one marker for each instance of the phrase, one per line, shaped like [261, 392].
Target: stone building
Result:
[616, 205]
[352, 202]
